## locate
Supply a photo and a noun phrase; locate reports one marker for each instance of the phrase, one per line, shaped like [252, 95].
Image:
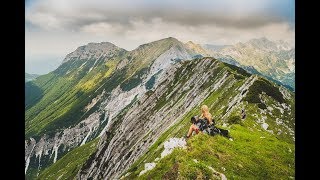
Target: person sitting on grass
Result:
[206, 124]
[202, 123]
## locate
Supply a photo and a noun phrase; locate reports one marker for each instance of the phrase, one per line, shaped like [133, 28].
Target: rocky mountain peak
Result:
[191, 43]
[92, 49]
[161, 41]
[158, 46]
[197, 48]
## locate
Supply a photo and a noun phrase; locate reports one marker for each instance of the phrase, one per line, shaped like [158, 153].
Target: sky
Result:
[54, 28]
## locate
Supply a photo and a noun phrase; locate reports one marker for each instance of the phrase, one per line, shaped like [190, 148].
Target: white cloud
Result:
[141, 31]
[102, 28]
[74, 14]
[63, 42]
[58, 27]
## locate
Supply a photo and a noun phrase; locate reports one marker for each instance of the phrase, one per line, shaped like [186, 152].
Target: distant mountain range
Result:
[108, 113]
[30, 77]
[274, 60]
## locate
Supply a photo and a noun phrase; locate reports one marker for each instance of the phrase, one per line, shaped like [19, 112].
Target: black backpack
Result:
[213, 130]
[202, 124]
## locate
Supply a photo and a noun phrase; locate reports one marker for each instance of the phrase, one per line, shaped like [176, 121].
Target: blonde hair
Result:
[205, 113]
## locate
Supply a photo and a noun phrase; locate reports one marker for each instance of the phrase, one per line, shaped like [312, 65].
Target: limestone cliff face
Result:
[48, 149]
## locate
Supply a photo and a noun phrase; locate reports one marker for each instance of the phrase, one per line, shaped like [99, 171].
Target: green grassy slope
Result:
[254, 153]
[60, 98]
[247, 157]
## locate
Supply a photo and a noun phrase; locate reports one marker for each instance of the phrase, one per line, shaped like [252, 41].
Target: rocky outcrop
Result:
[169, 145]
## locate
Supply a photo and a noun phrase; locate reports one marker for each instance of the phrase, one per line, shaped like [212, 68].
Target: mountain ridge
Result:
[104, 96]
[164, 110]
[63, 101]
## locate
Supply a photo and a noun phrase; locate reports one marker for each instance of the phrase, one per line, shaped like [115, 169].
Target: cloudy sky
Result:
[54, 28]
